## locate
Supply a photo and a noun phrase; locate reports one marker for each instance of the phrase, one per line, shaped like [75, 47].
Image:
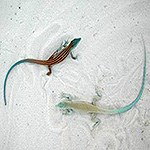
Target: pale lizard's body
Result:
[69, 106]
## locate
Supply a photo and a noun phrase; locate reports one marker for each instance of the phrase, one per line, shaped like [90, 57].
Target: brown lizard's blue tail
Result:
[17, 63]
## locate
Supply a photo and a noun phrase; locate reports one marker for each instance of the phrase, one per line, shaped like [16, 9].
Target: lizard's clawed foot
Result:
[48, 73]
[96, 124]
[67, 111]
[63, 45]
[97, 97]
[73, 57]
[96, 120]
[67, 96]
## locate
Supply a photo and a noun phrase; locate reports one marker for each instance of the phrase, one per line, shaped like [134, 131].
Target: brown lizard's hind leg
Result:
[50, 70]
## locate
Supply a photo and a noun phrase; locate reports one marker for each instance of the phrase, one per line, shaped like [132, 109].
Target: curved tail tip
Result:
[5, 102]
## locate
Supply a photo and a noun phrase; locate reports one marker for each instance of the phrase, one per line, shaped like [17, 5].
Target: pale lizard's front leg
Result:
[67, 111]
[68, 96]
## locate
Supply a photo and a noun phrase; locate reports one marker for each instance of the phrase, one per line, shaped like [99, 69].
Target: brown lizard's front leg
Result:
[53, 55]
[50, 70]
[73, 57]
[59, 49]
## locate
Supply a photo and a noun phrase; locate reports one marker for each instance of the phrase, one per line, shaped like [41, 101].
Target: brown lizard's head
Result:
[75, 42]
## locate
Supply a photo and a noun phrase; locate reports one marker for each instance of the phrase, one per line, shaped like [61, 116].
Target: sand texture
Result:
[110, 59]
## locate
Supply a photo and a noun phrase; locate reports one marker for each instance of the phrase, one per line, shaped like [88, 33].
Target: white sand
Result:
[110, 57]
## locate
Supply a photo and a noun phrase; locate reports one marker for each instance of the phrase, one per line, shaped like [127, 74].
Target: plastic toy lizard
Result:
[58, 56]
[68, 106]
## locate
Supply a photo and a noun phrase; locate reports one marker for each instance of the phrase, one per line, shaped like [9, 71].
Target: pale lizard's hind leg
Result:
[95, 119]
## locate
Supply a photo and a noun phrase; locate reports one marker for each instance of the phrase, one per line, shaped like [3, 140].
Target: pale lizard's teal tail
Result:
[128, 107]
[17, 63]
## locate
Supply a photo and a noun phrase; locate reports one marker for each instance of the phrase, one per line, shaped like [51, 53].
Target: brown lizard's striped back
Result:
[54, 60]
[61, 56]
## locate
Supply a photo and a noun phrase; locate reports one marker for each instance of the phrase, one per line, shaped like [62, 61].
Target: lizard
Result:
[58, 56]
[68, 106]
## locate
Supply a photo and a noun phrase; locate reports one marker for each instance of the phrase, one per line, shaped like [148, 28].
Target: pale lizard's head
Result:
[62, 105]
